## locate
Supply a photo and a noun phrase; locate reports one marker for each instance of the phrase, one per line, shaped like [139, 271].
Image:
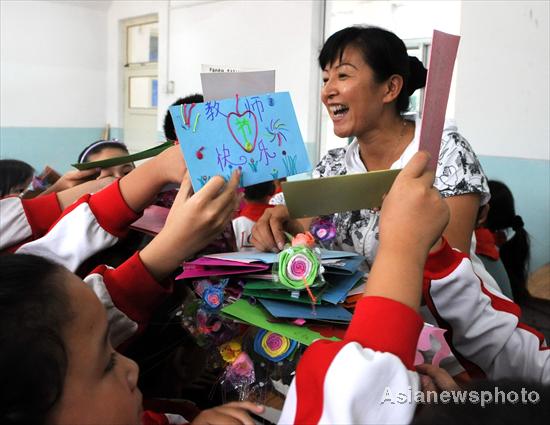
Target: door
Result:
[140, 83]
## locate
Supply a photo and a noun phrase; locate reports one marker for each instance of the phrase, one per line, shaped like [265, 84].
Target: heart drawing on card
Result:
[244, 129]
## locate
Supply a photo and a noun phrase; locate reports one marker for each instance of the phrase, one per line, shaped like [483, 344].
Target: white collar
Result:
[353, 162]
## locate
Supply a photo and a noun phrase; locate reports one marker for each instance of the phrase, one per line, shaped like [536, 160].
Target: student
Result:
[23, 220]
[512, 242]
[107, 149]
[27, 220]
[488, 253]
[15, 177]
[129, 293]
[57, 363]
[256, 201]
[349, 381]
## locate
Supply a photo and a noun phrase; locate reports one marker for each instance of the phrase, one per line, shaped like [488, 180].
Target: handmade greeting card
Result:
[258, 134]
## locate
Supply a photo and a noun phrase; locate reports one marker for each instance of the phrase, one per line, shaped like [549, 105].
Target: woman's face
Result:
[100, 385]
[116, 170]
[352, 97]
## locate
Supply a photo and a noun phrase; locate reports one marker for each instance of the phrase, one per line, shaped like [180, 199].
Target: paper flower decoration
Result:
[272, 346]
[230, 351]
[240, 374]
[213, 297]
[324, 230]
[303, 239]
[298, 267]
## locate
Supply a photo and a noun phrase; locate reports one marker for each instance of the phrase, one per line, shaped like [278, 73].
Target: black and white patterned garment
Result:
[458, 172]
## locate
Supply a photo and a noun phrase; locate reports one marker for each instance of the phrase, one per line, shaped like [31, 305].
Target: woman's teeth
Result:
[339, 110]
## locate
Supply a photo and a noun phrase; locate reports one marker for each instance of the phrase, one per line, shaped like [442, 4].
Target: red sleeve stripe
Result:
[111, 210]
[473, 369]
[376, 322]
[501, 304]
[310, 380]
[443, 261]
[41, 213]
[133, 290]
[538, 334]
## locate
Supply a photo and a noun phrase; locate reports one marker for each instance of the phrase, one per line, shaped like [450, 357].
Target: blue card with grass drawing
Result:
[258, 134]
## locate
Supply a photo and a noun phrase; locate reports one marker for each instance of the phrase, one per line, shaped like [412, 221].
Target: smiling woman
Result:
[367, 81]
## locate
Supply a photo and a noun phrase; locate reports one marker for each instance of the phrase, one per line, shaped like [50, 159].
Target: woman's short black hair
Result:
[34, 310]
[13, 173]
[98, 146]
[169, 130]
[384, 52]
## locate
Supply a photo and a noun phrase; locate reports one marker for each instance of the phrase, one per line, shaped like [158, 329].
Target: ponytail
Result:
[515, 252]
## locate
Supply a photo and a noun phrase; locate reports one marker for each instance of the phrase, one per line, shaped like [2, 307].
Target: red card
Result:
[438, 85]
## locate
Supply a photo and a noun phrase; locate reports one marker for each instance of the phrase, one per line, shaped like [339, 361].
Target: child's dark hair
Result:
[169, 130]
[34, 309]
[531, 405]
[384, 52]
[515, 252]
[258, 192]
[98, 146]
[13, 173]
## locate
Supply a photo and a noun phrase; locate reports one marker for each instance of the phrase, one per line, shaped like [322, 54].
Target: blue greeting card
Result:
[258, 134]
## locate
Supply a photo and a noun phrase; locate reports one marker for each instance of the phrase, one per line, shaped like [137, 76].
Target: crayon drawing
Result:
[258, 134]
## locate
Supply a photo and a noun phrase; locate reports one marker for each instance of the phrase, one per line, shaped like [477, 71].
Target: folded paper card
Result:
[221, 85]
[257, 316]
[338, 286]
[205, 266]
[327, 195]
[258, 134]
[302, 311]
[104, 163]
[270, 257]
[152, 221]
[284, 295]
[346, 266]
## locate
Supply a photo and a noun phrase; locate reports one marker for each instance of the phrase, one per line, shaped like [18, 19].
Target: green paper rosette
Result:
[298, 267]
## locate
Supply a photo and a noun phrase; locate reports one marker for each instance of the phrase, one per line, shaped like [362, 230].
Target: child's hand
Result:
[433, 378]
[193, 222]
[230, 413]
[413, 214]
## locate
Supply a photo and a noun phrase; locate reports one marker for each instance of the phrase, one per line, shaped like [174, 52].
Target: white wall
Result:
[279, 35]
[502, 100]
[53, 61]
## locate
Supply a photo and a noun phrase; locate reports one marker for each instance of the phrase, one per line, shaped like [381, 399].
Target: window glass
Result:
[143, 43]
[143, 92]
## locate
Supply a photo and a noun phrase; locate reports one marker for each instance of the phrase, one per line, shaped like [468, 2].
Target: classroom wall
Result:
[53, 79]
[502, 104]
